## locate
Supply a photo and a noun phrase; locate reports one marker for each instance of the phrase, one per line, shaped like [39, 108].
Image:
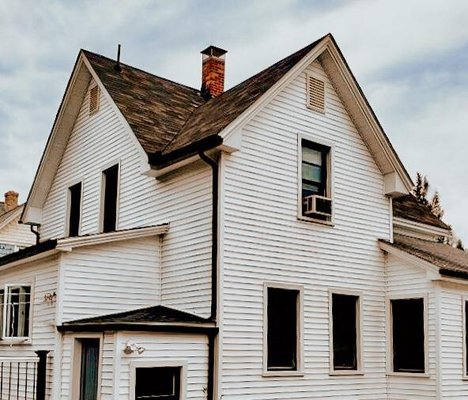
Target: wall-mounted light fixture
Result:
[132, 347]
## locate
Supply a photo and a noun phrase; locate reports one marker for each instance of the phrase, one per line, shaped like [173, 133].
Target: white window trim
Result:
[464, 321]
[300, 329]
[67, 217]
[320, 78]
[75, 373]
[359, 327]
[159, 363]
[330, 178]
[101, 194]
[390, 371]
[9, 340]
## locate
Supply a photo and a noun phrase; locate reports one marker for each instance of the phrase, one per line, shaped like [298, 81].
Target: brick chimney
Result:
[212, 72]
[11, 200]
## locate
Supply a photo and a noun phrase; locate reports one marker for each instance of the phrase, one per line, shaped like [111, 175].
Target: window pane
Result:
[110, 198]
[311, 173]
[282, 329]
[157, 383]
[311, 156]
[18, 308]
[344, 310]
[408, 335]
[75, 209]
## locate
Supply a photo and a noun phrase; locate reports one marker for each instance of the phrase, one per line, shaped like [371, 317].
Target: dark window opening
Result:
[282, 329]
[157, 383]
[89, 369]
[74, 210]
[344, 310]
[408, 335]
[314, 174]
[110, 177]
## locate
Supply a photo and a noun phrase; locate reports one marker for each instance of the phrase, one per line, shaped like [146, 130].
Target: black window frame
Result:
[110, 198]
[345, 350]
[409, 350]
[325, 174]
[74, 209]
[274, 321]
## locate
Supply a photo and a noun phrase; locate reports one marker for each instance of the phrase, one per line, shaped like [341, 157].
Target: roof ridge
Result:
[140, 70]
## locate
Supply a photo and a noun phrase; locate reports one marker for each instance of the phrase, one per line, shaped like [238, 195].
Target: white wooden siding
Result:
[453, 385]
[42, 276]
[96, 142]
[110, 278]
[264, 241]
[191, 350]
[404, 279]
[17, 234]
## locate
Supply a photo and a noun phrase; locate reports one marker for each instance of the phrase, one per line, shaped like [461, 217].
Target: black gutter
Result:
[214, 267]
[160, 160]
[119, 326]
[453, 274]
[28, 252]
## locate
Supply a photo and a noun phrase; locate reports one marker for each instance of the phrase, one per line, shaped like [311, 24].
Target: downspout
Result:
[214, 269]
[36, 232]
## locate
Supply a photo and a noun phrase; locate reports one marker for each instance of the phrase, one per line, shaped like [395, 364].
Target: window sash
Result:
[74, 209]
[110, 195]
[16, 309]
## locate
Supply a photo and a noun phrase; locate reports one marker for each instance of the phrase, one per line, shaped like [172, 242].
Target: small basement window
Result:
[110, 178]
[315, 93]
[74, 209]
[282, 329]
[157, 383]
[94, 100]
[315, 191]
[408, 335]
[345, 318]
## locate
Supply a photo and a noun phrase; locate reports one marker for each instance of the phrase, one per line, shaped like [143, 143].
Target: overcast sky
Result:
[410, 57]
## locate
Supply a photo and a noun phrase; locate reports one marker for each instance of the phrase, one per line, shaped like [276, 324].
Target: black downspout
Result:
[38, 235]
[214, 270]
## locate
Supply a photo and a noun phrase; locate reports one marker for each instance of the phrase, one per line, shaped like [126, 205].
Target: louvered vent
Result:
[93, 100]
[315, 94]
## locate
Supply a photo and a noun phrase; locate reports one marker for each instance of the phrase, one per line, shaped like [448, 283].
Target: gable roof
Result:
[408, 207]
[449, 260]
[8, 216]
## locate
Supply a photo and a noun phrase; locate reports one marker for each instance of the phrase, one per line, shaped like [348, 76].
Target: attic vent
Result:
[93, 100]
[315, 94]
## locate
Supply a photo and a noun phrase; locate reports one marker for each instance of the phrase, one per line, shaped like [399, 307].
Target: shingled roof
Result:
[449, 260]
[167, 117]
[408, 207]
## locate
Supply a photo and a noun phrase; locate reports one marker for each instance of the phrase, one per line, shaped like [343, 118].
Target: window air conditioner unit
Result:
[318, 205]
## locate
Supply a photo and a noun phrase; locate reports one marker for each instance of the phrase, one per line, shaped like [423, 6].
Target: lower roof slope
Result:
[450, 260]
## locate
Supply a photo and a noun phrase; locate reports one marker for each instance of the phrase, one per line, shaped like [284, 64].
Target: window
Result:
[93, 100]
[315, 190]
[89, 369]
[110, 191]
[345, 322]
[157, 383]
[282, 329]
[15, 311]
[74, 209]
[408, 335]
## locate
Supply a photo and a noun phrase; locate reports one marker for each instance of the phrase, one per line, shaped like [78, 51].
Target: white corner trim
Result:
[69, 243]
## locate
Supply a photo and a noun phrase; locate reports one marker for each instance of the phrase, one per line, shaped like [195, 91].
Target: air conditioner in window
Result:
[318, 205]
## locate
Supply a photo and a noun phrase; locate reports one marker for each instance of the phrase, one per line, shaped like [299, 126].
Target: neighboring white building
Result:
[13, 236]
[257, 243]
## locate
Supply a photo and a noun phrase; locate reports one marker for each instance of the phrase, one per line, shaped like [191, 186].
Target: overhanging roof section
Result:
[449, 260]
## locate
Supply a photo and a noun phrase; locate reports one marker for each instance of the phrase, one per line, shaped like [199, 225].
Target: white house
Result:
[13, 236]
[257, 243]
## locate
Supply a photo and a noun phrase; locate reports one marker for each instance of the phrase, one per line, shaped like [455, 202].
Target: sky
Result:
[409, 56]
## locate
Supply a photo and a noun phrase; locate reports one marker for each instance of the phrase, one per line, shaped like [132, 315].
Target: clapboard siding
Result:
[453, 386]
[111, 277]
[184, 201]
[404, 279]
[17, 234]
[42, 276]
[264, 241]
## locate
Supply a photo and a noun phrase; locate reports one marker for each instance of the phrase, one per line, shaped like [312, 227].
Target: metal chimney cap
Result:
[213, 51]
